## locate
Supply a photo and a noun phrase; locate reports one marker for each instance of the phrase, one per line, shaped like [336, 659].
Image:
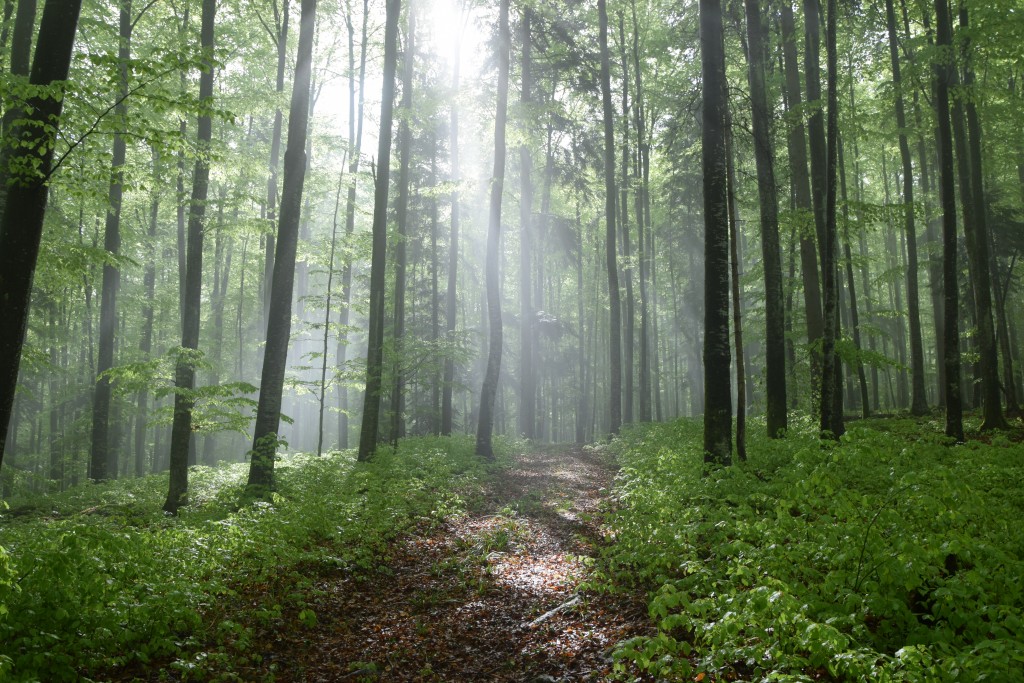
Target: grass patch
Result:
[890, 556]
[97, 578]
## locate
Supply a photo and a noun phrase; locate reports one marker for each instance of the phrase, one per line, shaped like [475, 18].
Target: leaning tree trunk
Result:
[185, 372]
[378, 258]
[489, 391]
[950, 280]
[279, 323]
[775, 338]
[21, 223]
[717, 401]
[614, 303]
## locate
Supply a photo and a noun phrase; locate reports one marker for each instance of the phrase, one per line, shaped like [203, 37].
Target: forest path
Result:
[470, 600]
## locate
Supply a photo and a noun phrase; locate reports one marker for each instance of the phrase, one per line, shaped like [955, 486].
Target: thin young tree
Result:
[714, 161]
[378, 256]
[831, 423]
[611, 261]
[451, 298]
[185, 371]
[489, 390]
[527, 374]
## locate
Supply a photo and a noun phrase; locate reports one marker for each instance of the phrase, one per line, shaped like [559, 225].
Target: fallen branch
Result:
[552, 612]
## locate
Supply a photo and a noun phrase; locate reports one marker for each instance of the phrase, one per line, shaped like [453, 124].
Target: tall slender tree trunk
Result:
[714, 155]
[977, 249]
[355, 143]
[797, 147]
[21, 64]
[104, 458]
[378, 257]
[918, 403]
[862, 382]
[614, 302]
[275, 158]
[643, 214]
[527, 371]
[397, 430]
[451, 296]
[21, 222]
[775, 340]
[489, 390]
[146, 342]
[279, 323]
[737, 303]
[950, 284]
[185, 372]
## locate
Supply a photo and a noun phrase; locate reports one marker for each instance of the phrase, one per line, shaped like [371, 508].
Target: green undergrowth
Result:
[890, 556]
[97, 578]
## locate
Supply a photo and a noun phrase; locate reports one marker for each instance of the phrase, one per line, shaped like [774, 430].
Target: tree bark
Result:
[275, 159]
[21, 223]
[378, 258]
[184, 374]
[775, 340]
[397, 430]
[527, 371]
[614, 302]
[950, 284]
[104, 459]
[489, 390]
[714, 154]
[279, 323]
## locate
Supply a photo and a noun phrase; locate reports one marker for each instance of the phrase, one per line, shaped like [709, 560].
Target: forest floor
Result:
[493, 595]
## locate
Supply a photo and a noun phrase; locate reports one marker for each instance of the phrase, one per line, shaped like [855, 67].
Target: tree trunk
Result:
[397, 429]
[268, 411]
[489, 390]
[527, 372]
[737, 307]
[184, 374]
[977, 248]
[775, 340]
[950, 284]
[146, 342]
[378, 258]
[275, 159]
[21, 63]
[21, 223]
[355, 143]
[104, 458]
[451, 300]
[797, 147]
[614, 302]
[714, 154]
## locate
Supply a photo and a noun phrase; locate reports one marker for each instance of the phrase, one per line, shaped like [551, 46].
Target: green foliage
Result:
[97, 578]
[887, 557]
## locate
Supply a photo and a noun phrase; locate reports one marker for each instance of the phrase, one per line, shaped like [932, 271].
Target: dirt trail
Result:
[462, 602]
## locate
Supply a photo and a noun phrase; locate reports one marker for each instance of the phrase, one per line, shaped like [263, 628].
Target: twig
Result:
[552, 612]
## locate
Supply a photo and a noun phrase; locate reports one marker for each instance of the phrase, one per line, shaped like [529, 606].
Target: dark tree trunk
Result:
[378, 258]
[184, 374]
[527, 372]
[737, 306]
[451, 300]
[797, 146]
[21, 57]
[977, 247]
[629, 323]
[21, 223]
[279, 324]
[397, 429]
[489, 390]
[775, 340]
[831, 419]
[950, 284]
[918, 403]
[355, 143]
[281, 40]
[714, 154]
[865, 405]
[104, 458]
[614, 302]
